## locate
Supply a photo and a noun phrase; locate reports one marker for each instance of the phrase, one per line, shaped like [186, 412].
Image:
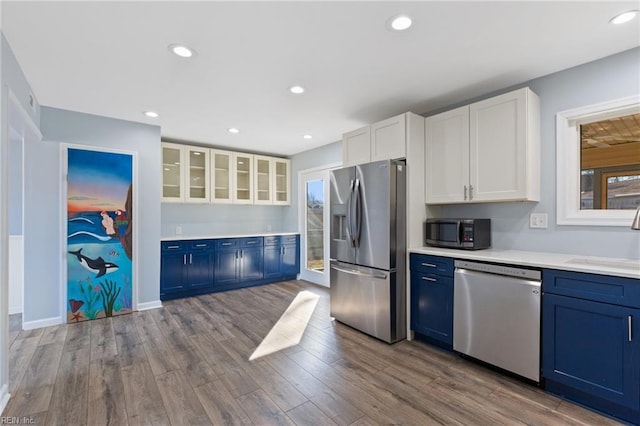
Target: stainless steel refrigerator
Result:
[368, 248]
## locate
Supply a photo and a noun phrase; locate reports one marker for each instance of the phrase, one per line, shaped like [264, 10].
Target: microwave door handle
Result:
[458, 230]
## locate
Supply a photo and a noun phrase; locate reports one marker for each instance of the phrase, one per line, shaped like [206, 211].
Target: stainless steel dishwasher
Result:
[496, 316]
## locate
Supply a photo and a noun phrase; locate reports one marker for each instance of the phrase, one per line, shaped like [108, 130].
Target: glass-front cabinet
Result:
[243, 167]
[263, 180]
[282, 179]
[222, 176]
[197, 181]
[172, 173]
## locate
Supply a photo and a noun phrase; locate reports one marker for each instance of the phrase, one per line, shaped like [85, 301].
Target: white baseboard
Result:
[149, 305]
[4, 397]
[15, 310]
[46, 322]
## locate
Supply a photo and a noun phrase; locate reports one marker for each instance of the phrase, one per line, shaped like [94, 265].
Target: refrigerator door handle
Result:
[377, 275]
[349, 214]
[358, 209]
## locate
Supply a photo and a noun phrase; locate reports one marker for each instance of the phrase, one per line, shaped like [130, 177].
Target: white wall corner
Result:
[148, 305]
[46, 322]
[4, 397]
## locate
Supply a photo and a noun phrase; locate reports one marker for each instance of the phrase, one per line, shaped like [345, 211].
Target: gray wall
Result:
[15, 184]
[14, 78]
[43, 215]
[318, 157]
[610, 78]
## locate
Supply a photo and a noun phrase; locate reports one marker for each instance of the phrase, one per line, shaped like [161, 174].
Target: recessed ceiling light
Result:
[296, 89]
[181, 50]
[151, 114]
[624, 17]
[400, 22]
[307, 136]
[233, 130]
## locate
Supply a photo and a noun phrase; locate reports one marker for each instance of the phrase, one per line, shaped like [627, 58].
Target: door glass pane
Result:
[281, 181]
[222, 164]
[197, 176]
[315, 221]
[263, 191]
[170, 172]
[243, 178]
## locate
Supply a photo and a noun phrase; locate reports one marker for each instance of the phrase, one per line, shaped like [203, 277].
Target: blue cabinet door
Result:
[273, 261]
[589, 346]
[290, 260]
[200, 270]
[251, 263]
[227, 266]
[432, 306]
[172, 272]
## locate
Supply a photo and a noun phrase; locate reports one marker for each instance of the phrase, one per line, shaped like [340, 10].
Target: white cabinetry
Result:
[485, 152]
[384, 140]
[222, 175]
[271, 180]
[243, 178]
[185, 173]
[281, 181]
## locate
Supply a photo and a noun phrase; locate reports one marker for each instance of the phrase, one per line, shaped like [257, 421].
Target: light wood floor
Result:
[187, 364]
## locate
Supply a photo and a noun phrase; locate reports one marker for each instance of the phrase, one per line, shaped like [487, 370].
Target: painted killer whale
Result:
[98, 266]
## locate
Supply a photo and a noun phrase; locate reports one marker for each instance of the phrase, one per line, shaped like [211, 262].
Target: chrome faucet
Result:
[636, 220]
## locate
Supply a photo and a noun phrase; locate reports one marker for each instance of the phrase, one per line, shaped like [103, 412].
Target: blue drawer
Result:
[174, 245]
[251, 242]
[227, 243]
[272, 240]
[201, 245]
[288, 239]
[432, 264]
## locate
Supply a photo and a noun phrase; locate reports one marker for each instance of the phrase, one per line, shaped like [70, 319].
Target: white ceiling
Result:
[111, 59]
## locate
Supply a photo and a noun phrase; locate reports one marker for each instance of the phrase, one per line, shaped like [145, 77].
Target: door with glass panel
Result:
[222, 175]
[172, 175]
[197, 189]
[281, 172]
[263, 177]
[314, 226]
[243, 170]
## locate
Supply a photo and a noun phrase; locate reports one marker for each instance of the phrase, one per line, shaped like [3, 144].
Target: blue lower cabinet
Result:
[591, 349]
[273, 261]
[251, 264]
[227, 267]
[186, 268]
[290, 260]
[282, 257]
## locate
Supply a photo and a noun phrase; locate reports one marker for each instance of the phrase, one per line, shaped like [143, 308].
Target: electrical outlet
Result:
[178, 230]
[538, 220]
[268, 228]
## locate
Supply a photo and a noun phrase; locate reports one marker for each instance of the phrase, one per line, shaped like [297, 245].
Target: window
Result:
[598, 163]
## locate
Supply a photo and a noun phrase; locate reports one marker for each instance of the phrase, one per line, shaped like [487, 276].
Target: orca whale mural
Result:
[99, 234]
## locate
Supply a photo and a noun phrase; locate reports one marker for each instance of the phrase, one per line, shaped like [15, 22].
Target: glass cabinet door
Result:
[243, 164]
[221, 176]
[172, 172]
[281, 185]
[263, 177]
[197, 174]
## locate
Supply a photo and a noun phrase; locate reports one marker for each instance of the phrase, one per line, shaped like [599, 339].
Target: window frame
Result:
[568, 168]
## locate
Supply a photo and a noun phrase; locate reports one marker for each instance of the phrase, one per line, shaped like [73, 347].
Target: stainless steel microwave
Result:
[467, 234]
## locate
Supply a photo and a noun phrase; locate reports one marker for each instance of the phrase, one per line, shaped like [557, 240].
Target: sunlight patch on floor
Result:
[290, 327]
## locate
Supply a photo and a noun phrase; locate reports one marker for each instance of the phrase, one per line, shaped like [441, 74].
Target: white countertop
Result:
[629, 268]
[212, 236]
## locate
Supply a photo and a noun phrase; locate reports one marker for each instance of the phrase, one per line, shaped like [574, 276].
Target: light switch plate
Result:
[538, 220]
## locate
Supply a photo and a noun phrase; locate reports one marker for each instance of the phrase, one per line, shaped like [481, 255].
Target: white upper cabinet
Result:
[388, 138]
[496, 143]
[185, 173]
[447, 156]
[263, 179]
[356, 147]
[197, 179]
[243, 181]
[282, 181]
[172, 172]
[222, 174]
[384, 140]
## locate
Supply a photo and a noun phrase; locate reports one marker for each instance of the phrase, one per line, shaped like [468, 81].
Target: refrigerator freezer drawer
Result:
[369, 300]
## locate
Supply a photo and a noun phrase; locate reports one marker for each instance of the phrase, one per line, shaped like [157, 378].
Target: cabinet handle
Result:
[428, 279]
[241, 254]
[201, 245]
[226, 244]
[630, 324]
[173, 247]
[470, 192]
[465, 192]
[250, 242]
[184, 259]
[282, 250]
[237, 255]
[190, 259]
[431, 265]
